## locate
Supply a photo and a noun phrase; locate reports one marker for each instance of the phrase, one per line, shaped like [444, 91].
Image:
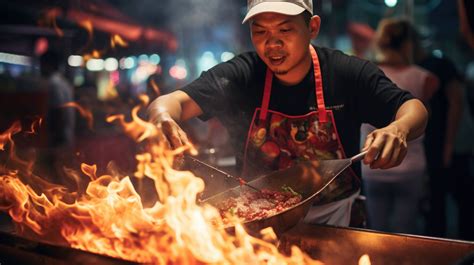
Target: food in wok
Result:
[254, 205]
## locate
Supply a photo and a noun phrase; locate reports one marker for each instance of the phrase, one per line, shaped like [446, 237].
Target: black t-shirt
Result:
[354, 89]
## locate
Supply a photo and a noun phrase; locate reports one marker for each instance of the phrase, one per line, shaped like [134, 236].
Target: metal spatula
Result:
[330, 169]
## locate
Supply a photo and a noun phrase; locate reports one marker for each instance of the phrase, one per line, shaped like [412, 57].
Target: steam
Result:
[185, 14]
[182, 15]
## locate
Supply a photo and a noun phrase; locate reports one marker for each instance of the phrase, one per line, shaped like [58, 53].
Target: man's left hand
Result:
[387, 147]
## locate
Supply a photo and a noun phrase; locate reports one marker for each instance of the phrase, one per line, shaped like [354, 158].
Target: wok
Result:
[308, 178]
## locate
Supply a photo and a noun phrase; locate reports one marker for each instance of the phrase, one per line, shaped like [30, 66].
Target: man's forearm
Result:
[176, 105]
[164, 106]
[411, 118]
[166, 111]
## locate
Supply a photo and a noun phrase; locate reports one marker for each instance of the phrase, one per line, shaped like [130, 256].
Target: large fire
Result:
[105, 214]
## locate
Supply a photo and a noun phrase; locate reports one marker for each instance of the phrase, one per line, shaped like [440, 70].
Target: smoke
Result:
[175, 15]
[178, 15]
[199, 14]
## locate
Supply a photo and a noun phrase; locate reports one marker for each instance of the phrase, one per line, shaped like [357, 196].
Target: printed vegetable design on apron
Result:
[276, 141]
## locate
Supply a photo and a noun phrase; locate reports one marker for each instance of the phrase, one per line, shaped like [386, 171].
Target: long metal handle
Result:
[211, 167]
[240, 180]
[359, 156]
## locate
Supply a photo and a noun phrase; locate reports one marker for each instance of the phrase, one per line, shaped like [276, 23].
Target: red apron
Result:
[276, 141]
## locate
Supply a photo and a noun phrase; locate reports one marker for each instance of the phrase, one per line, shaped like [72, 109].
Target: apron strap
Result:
[318, 80]
[266, 94]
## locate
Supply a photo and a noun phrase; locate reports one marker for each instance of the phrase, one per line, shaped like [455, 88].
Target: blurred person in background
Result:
[393, 195]
[282, 102]
[361, 36]
[466, 19]
[60, 120]
[463, 158]
[461, 168]
[446, 108]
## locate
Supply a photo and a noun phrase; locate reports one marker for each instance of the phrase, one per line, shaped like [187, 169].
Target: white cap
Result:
[286, 7]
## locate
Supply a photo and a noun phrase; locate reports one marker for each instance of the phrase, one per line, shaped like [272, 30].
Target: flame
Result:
[89, 170]
[107, 216]
[6, 137]
[49, 20]
[110, 90]
[364, 260]
[137, 129]
[144, 99]
[95, 54]
[87, 24]
[117, 40]
[36, 123]
[155, 87]
[87, 114]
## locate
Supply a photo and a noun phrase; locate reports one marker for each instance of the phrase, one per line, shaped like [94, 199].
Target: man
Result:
[60, 120]
[282, 103]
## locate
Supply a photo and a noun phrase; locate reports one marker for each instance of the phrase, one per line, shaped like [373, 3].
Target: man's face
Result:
[282, 42]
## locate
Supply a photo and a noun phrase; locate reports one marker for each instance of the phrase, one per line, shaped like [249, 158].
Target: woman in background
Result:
[393, 195]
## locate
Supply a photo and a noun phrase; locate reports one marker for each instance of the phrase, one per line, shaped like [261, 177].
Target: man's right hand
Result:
[167, 110]
[175, 136]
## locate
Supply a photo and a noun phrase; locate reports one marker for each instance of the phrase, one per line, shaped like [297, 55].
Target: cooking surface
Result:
[336, 245]
[332, 245]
